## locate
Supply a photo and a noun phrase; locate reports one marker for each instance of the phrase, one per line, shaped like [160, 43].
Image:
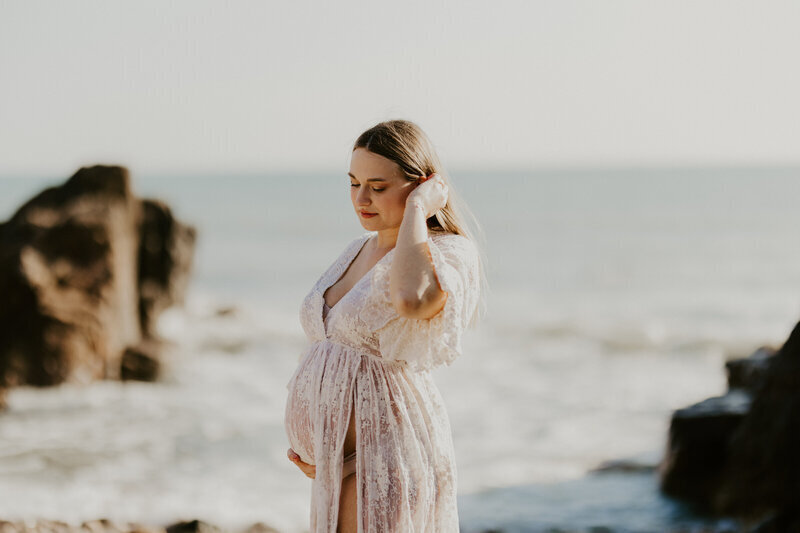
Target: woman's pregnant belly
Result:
[319, 391]
[300, 408]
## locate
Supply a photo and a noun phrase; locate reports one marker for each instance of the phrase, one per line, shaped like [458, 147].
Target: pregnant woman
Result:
[364, 417]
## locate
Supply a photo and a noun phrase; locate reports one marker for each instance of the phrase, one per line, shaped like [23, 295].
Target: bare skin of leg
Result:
[348, 506]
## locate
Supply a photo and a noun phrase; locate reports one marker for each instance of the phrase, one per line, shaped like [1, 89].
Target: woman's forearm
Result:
[413, 286]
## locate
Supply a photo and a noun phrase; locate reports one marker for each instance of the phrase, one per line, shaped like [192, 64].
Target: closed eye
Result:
[374, 189]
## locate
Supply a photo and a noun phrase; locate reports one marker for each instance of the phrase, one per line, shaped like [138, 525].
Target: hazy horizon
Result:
[204, 87]
[540, 170]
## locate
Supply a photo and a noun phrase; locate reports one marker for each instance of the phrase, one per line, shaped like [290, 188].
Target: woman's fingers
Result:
[308, 470]
[442, 192]
[432, 195]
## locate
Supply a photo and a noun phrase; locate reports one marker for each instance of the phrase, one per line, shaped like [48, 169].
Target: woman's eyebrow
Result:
[368, 180]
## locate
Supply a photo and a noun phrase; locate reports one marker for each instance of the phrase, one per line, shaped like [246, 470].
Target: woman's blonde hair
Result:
[403, 142]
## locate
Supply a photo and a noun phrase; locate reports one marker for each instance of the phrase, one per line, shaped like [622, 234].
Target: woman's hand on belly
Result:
[308, 470]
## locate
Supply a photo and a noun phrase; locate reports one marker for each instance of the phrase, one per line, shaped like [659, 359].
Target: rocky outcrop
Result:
[105, 525]
[749, 373]
[165, 259]
[698, 443]
[737, 455]
[85, 269]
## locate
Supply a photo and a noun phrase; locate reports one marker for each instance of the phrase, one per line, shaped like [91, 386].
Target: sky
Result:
[203, 86]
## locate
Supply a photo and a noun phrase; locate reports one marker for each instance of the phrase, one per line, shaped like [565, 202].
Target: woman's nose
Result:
[362, 197]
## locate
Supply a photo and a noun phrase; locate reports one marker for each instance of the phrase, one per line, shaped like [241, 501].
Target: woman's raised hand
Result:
[430, 193]
[308, 470]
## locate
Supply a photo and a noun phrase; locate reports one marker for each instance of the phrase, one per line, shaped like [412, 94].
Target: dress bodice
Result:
[365, 319]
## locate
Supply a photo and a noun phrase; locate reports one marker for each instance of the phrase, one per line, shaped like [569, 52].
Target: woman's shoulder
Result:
[453, 242]
[448, 236]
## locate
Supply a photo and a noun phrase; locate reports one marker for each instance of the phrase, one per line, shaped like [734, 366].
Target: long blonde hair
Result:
[403, 142]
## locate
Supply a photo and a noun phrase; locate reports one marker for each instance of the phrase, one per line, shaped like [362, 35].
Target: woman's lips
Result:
[367, 215]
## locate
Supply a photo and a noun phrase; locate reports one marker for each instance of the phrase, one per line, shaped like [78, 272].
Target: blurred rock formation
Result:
[737, 454]
[105, 525]
[85, 270]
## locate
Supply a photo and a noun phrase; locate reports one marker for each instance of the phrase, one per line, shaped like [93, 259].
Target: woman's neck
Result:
[386, 239]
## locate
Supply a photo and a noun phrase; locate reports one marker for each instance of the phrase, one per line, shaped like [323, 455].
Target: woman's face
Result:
[378, 186]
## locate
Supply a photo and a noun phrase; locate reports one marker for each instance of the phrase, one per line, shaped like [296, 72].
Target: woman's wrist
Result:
[415, 204]
[414, 227]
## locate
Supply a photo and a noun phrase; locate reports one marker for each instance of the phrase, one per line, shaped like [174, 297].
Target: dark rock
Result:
[165, 260]
[763, 471]
[104, 525]
[748, 373]
[697, 446]
[623, 465]
[193, 526]
[143, 361]
[74, 293]
[739, 454]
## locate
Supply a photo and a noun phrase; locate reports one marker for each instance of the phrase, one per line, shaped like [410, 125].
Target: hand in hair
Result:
[430, 193]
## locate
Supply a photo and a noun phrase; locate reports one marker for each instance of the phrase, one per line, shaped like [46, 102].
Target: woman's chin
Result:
[369, 223]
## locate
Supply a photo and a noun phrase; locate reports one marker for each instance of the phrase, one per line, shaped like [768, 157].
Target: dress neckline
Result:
[343, 271]
[345, 266]
[338, 276]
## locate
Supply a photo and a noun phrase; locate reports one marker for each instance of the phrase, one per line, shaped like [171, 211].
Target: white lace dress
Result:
[370, 355]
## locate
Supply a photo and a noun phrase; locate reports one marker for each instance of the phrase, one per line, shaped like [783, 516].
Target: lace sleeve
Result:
[427, 343]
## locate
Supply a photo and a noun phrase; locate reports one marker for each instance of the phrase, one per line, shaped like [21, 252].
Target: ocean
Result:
[616, 295]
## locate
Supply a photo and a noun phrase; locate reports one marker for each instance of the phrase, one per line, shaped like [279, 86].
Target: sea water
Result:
[616, 296]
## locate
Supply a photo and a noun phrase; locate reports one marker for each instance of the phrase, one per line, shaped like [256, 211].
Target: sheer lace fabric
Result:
[363, 355]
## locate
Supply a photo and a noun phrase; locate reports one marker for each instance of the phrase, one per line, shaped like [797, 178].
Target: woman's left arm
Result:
[413, 286]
